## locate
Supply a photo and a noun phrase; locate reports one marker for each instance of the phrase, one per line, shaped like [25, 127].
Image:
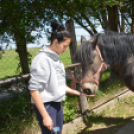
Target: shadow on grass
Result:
[15, 114]
[113, 124]
[109, 86]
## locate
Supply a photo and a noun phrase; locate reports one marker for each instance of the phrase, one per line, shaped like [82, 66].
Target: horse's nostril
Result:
[87, 91]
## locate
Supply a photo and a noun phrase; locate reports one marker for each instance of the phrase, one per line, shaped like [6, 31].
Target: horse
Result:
[112, 49]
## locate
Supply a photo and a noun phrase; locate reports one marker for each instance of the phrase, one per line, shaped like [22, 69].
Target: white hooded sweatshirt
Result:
[47, 75]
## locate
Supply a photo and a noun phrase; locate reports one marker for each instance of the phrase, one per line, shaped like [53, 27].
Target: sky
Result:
[43, 41]
[79, 32]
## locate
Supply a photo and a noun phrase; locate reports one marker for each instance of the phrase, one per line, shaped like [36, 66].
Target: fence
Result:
[10, 60]
[15, 108]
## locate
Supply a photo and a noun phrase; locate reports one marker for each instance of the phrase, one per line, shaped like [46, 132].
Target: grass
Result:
[109, 120]
[109, 86]
[15, 114]
[10, 60]
[16, 117]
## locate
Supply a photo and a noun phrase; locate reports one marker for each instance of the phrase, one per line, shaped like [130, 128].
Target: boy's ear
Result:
[55, 41]
[83, 39]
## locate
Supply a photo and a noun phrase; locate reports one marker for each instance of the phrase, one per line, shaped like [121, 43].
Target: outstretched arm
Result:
[75, 92]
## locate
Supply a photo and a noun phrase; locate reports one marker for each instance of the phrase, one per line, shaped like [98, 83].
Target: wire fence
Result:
[10, 60]
[15, 106]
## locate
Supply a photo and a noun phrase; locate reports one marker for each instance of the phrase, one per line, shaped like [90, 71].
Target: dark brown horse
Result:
[113, 49]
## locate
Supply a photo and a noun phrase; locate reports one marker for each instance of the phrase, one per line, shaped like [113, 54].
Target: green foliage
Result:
[15, 113]
[69, 109]
[70, 106]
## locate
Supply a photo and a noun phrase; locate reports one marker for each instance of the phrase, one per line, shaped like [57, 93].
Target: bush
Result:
[15, 113]
[70, 106]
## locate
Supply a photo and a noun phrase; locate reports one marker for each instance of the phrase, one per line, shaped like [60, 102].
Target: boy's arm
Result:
[75, 92]
[47, 121]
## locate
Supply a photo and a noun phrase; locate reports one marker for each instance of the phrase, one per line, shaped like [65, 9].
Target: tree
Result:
[15, 22]
[18, 19]
[113, 15]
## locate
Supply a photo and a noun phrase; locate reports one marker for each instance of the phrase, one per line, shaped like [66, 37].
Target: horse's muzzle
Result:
[88, 91]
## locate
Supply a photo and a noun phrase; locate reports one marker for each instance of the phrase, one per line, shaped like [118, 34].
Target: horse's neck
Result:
[125, 68]
[118, 68]
[126, 71]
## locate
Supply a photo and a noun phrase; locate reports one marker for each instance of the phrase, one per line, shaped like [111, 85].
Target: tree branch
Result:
[89, 22]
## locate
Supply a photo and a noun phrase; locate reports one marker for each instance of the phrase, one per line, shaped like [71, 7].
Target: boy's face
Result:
[63, 46]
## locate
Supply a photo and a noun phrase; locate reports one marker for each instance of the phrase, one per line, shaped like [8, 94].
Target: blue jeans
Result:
[55, 111]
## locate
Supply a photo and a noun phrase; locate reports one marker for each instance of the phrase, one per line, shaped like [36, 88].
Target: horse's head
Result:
[88, 54]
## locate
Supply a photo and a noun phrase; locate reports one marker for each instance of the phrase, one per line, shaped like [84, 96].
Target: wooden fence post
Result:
[77, 71]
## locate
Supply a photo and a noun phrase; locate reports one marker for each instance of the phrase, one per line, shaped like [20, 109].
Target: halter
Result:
[94, 79]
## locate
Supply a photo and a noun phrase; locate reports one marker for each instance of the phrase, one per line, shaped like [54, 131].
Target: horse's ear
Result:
[94, 41]
[83, 39]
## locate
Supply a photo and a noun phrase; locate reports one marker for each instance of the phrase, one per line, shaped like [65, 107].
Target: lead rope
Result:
[74, 81]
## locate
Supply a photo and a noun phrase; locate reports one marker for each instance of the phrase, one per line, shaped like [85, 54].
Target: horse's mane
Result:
[84, 53]
[115, 48]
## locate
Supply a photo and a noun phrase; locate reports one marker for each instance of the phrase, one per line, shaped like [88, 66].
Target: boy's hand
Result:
[84, 94]
[47, 121]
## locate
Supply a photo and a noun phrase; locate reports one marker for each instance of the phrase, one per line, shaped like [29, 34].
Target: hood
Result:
[49, 53]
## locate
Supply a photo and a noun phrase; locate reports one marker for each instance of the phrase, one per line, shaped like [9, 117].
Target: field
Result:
[10, 60]
[17, 117]
[109, 120]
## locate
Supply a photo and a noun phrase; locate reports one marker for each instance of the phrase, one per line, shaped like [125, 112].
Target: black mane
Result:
[115, 48]
[84, 53]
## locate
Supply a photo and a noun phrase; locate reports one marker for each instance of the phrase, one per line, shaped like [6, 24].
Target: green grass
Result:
[109, 86]
[16, 117]
[9, 62]
[109, 120]
[15, 114]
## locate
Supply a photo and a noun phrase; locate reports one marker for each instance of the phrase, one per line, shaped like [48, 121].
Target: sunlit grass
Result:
[10, 60]
[109, 120]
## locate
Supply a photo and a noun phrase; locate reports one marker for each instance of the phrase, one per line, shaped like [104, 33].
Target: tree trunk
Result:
[22, 51]
[73, 44]
[104, 20]
[122, 19]
[113, 18]
[23, 56]
[132, 29]
[82, 99]
[113, 23]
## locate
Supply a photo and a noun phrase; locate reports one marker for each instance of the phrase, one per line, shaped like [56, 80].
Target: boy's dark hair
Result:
[59, 32]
